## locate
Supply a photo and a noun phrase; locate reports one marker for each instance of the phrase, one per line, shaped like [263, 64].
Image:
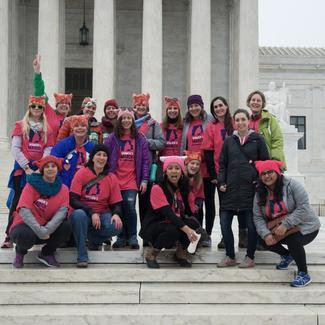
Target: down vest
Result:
[237, 173]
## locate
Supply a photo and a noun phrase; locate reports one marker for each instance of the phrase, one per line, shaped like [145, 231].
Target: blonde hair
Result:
[26, 126]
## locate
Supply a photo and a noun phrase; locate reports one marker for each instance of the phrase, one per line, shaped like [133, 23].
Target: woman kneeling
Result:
[283, 215]
[166, 224]
[96, 197]
[40, 217]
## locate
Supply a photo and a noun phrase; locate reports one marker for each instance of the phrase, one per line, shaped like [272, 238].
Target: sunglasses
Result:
[267, 173]
[34, 106]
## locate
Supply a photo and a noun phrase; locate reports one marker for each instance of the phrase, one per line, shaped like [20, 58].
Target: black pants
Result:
[144, 202]
[18, 189]
[25, 238]
[295, 243]
[166, 235]
[210, 207]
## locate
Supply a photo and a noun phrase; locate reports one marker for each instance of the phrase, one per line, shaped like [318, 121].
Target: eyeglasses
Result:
[267, 173]
[34, 106]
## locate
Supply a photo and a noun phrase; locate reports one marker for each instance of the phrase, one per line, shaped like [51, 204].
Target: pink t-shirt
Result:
[99, 196]
[275, 209]
[195, 135]
[125, 172]
[173, 138]
[254, 124]
[43, 208]
[213, 139]
[54, 120]
[33, 147]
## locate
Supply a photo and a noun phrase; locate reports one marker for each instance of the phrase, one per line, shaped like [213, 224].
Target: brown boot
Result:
[242, 238]
[181, 256]
[151, 254]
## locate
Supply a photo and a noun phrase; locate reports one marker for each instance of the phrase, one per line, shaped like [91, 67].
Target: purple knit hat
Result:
[195, 99]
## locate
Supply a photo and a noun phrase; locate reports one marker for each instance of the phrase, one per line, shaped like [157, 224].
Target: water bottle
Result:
[153, 172]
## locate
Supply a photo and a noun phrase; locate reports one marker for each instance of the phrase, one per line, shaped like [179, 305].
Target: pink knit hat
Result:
[125, 111]
[167, 160]
[172, 102]
[263, 165]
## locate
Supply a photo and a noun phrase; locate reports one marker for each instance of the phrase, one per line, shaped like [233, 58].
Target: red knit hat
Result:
[62, 98]
[167, 160]
[78, 119]
[192, 155]
[36, 100]
[138, 99]
[89, 101]
[111, 102]
[263, 165]
[170, 101]
[41, 163]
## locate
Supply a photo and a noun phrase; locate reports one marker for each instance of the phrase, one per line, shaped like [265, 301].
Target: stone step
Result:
[145, 314]
[159, 293]
[203, 256]
[140, 273]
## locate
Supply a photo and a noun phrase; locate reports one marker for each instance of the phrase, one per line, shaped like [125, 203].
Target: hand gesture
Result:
[117, 220]
[37, 63]
[143, 188]
[95, 219]
[280, 230]
[269, 240]
[223, 188]
[191, 235]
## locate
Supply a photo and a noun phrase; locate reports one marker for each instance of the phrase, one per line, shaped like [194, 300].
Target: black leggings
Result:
[25, 238]
[166, 235]
[295, 243]
[18, 189]
[144, 202]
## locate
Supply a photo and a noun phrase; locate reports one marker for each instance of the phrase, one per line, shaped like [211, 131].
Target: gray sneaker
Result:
[227, 261]
[246, 263]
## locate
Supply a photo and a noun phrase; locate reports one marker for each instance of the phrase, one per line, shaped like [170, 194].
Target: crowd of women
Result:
[74, 174]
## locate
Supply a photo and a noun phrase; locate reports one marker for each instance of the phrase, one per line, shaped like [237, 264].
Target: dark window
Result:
[300, 123]
[79, 82]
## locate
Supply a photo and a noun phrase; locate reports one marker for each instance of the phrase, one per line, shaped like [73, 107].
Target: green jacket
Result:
[270, 129]
[39, 87]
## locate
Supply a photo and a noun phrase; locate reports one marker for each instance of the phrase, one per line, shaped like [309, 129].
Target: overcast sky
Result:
[292, 23]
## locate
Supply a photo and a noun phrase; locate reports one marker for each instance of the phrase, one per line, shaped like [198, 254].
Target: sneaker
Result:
[285, 262]
[222, 244]
[120, 243]
[227, 261]
[48, 260]
[82, 264]
[133, 242]
[7, 243]
[18, 262]
[301, 280]
[206, 242]
[246, 263]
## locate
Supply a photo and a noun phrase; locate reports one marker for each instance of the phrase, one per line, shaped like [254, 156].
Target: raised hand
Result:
[37, 63]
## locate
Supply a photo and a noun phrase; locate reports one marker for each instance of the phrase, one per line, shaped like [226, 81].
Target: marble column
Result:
[152, 55]
[103, 53]
[200, 50]
[51, 45]
[4, 63]
[243, 51]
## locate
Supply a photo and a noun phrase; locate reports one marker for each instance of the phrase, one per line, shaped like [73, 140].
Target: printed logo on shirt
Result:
[92, 193]
[41, 204]
[277, 208]
[197, 134]
[127, 150]
[171, 138]
[34, 139]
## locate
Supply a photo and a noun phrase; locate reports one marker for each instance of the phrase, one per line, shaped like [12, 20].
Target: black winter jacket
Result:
[237, 173]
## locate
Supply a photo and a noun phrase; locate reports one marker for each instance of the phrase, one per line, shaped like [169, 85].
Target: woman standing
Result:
[195, 124]
[283, 198]
[151, 129]
[74, 149]
[96, 198]
[41, 214]
[172, 127]
[110, 117]
[129, 160]
[31, 140]
[266, 124]
[214, 136]
[166, 223]
[236, 182]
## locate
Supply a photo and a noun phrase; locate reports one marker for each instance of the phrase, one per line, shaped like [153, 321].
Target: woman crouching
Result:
[166, 224]
[283, 215]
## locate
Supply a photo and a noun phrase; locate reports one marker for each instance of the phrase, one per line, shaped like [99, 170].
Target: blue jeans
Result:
[226, 217]
[82, 228]
[129, 213]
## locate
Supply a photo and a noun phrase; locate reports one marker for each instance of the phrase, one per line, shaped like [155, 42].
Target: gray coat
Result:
[299, 214]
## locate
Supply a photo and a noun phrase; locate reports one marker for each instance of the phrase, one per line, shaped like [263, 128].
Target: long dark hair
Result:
[178, 123]
[262, 191]
[228, 119]
[119, 130]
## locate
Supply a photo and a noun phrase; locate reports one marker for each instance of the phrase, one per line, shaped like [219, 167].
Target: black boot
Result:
[150, 256]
